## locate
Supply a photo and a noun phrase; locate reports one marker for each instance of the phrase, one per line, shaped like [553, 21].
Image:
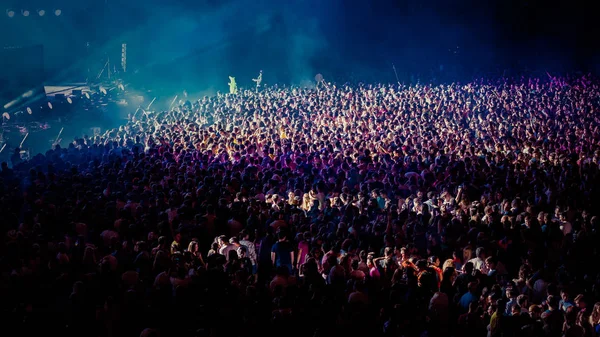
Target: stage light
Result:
[10, 13]
[29, 111]
[41, 12]
[11, 103]
[69, 100]
[57, 12]
[25, 12]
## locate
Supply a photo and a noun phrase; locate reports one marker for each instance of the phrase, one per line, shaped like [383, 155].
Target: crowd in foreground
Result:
[383, 210]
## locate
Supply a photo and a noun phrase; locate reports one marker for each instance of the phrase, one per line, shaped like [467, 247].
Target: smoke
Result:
[237, 39]
[307, 45]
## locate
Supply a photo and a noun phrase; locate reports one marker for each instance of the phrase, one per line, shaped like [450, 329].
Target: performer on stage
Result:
[258, 80]
[232, 85]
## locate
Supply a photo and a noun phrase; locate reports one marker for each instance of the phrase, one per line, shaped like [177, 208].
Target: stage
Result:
[76, 108]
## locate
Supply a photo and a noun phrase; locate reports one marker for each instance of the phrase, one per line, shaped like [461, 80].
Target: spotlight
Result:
[25, 12]
[29, 111]
[57, 12]
[41, 12]
[11, 103]
[10, 13]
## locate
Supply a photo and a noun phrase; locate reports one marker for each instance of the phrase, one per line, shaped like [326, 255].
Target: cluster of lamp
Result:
[11, 13]
[6, 116]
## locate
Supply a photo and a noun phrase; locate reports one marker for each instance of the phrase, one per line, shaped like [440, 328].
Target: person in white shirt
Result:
[479, 260]
[565, 226]
[251, 249]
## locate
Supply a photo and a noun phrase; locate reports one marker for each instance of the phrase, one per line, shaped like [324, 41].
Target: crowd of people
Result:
[342, 210]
